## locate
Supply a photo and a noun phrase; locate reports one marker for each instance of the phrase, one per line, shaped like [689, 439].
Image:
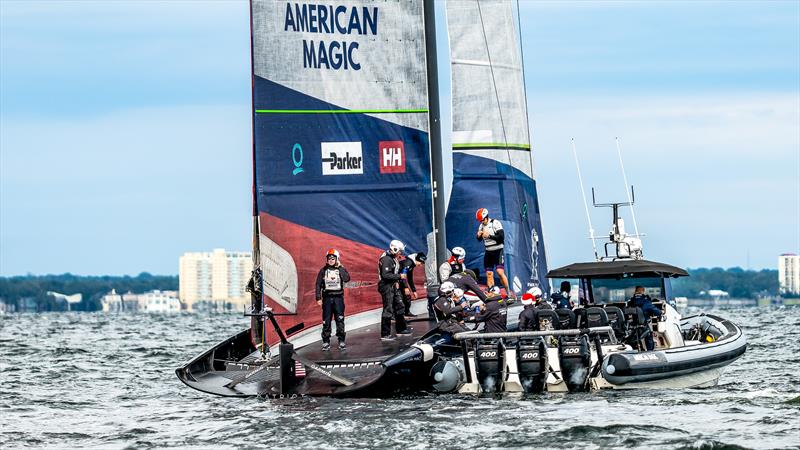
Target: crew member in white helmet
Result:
[389, 288]
[330, 296]
[490, 231]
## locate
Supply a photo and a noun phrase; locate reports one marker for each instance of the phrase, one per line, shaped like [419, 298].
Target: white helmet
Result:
[532, 296]
[396, 247]
[459, 253]
[458, 292]
[447, 288]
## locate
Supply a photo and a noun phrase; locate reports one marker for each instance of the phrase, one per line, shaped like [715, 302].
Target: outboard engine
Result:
[489, 358]
[532, 364]
[575, 359]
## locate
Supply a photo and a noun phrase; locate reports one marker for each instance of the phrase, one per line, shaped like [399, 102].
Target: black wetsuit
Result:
[407, 266]
[467, 283]
[526, 318]
[453, 315]
[493, 318]
[389, 288]
[330, 288]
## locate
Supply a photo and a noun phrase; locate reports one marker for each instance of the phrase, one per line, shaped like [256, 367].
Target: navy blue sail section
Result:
[351, 175]
[510, 196]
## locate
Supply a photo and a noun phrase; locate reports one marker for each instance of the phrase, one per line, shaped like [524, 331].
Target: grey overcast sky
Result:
[125, 129]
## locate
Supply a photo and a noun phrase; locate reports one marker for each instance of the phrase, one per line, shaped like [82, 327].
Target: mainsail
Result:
[341, 146]
[492, 162]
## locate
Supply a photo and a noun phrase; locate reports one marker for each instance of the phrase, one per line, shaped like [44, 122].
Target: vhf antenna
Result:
[585, 204]
[625, 180]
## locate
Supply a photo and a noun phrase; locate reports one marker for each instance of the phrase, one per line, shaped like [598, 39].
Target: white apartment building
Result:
[216, 278]
[789, 273]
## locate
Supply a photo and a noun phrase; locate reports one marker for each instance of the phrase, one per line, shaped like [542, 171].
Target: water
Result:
[70, 380]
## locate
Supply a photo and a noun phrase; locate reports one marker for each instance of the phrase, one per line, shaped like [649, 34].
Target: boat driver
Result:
[643, 301]
[561, 299]
[330, 296]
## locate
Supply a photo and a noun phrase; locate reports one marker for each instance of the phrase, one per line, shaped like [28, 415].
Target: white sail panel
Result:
[488, 96]
[355, 54]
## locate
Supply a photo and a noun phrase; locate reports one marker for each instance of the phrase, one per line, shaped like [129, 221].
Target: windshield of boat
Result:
[617, 291]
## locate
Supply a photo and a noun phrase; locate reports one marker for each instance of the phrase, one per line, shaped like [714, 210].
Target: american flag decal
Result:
[299, 370]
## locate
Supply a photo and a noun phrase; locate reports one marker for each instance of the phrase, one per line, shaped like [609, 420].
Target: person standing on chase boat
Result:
[330, 296]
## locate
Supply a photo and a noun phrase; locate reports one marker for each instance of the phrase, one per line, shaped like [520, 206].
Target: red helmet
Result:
[332, 252]
[481, 214]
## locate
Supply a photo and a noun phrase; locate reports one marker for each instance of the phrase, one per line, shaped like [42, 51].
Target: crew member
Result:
[454, 264]
[389, 288]
[450, 307]
[407, 267]
[561, 299]
[465, 282]
[642, 300]
[490, 231]
[330, 296]
[532, 300]
[492, 314]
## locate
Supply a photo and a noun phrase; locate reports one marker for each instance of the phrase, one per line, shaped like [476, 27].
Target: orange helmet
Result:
[481, 214]
[332, 252]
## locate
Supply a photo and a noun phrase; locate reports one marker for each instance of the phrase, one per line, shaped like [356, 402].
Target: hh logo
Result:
[342, 158]
[393, 157]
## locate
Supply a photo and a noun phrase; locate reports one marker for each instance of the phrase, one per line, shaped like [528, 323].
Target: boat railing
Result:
[475, 334]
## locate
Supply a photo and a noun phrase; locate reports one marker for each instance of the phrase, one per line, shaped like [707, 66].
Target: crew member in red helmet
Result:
[330, 296]
[490, 231]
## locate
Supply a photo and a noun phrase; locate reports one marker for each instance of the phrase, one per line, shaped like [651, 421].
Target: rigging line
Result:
[627, 189]
[585, 204]
[497, 98]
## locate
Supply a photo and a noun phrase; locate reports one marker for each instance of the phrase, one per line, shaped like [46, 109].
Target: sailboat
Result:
[347, 155]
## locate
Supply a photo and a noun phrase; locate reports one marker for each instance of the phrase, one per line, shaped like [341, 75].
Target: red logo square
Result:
[392, 156]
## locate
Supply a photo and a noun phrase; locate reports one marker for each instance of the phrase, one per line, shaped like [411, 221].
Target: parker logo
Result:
[342, 158]
[392, 156]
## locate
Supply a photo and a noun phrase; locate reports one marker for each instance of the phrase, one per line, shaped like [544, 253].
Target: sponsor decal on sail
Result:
[342, 158]
[392, 156]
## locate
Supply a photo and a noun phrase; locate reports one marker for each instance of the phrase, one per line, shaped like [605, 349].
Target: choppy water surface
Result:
[93, 380]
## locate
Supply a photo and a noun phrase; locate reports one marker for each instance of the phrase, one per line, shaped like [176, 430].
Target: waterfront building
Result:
[215, 279]
[789, 273]
[113, 302]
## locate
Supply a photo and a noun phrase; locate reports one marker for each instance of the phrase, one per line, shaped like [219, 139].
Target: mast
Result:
[256, 331]
[435, 132]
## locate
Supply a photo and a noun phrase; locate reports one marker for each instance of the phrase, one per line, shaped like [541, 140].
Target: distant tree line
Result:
[739, 283]
[34, 288]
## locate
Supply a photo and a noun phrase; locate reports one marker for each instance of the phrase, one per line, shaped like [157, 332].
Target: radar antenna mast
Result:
[625, 245]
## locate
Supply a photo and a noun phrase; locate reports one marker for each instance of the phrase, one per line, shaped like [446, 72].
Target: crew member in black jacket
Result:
[389, 288]
[330, 296]
[450, 307]
[407, 267]
[533, 300]
[493, 316]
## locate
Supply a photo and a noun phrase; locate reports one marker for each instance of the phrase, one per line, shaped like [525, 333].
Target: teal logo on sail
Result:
[297, 159]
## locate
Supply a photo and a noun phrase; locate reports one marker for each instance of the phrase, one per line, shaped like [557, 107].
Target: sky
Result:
[125, 135]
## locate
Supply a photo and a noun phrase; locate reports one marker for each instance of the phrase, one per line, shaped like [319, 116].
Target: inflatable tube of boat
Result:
[628, 367]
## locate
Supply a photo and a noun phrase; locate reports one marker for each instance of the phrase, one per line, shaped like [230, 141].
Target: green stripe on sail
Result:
[492, 145]
[340, 111]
